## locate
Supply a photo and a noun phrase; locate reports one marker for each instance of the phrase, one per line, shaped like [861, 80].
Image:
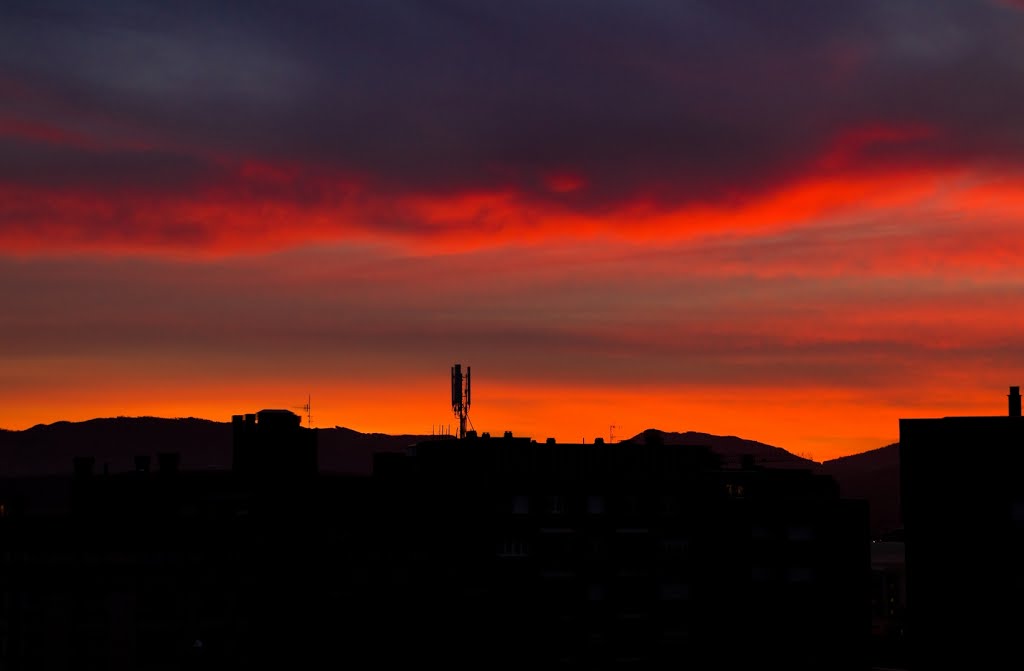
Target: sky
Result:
[795, 222]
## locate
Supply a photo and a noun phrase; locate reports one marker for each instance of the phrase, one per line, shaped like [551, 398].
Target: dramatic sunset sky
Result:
[794, 221]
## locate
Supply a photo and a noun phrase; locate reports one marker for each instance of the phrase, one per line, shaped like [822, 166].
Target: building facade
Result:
[636, 556]
[962, 500]
[474, 553]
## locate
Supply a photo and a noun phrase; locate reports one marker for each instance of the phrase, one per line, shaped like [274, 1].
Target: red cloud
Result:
[69, 194]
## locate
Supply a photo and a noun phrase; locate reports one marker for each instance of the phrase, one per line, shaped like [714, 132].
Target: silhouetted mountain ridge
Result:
[731, 449]
[881, 457]
[48, 449]
[875, 476]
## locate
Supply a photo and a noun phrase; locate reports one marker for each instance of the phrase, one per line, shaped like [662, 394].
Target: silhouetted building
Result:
[273, 444]
[159, 568]
[888, 601]
[624, 556]
[474, 553]
[962, 498]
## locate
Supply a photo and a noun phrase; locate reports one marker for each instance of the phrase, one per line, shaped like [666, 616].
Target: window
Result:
[676, 633]
[598, 548]
[669, 504]
[673, 591]
[595, 505]
[800, 574]
[512, 548]
[734, 490]
[520, 504]
[674, 546]
[799, 532]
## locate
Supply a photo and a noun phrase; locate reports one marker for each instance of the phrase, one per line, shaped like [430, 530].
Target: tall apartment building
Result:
[962, 497]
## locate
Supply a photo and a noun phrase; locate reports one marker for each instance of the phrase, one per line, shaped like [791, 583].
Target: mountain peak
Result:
[730, 448]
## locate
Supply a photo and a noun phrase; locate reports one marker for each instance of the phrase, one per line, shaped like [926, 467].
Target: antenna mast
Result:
[460, 396]
[308, 409]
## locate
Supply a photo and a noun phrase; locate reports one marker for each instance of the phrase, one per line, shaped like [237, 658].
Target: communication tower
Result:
[460, 396]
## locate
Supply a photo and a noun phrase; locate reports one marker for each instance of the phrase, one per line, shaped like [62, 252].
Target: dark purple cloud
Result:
[668, 102]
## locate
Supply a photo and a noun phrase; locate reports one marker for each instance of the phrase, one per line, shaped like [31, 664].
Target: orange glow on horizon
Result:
[819, 424]
[561, 274]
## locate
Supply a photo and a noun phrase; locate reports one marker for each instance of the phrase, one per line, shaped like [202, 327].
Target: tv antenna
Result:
[611, 432]
[460, 396]
[308, 409]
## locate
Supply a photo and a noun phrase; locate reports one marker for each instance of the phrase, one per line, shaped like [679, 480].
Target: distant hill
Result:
[48, 449]
[347, 451]
[873, 475]
[731, 449]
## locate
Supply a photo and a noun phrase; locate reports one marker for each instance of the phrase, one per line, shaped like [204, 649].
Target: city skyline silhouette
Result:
[499, 548]
[739, 284]
[632, 554]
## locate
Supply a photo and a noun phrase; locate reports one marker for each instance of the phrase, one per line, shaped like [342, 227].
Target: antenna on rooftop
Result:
[460, 396]
[308, 409]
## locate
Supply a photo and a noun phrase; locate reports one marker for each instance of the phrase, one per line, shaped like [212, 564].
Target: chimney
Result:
[1014, 397]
